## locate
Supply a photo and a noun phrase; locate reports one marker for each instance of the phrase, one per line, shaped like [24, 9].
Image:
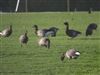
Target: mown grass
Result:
[34, 60]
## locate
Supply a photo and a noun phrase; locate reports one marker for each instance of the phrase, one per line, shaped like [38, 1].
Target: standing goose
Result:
[70, 32]
[6, 32]
[70, 54]
[23, 38]
[90, 28]
[44, 42]
[45, 32]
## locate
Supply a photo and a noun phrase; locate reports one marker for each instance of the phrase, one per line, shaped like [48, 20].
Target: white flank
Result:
[77, 53]
[41, 41]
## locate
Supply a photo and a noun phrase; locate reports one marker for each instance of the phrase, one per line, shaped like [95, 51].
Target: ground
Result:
[34, 60]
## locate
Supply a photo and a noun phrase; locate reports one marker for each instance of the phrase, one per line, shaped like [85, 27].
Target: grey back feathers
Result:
[23, 38]
[53, 30]
[70, 54]
[6, 32]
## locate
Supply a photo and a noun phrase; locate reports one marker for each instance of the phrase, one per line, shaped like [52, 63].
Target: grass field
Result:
[34, 60]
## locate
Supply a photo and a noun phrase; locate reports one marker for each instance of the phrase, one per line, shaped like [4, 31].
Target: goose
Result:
[70, 54]
[90, 28]
[23, 38]
[45, 32]
[44, 41]
[52, 31]
[6, 32]
[70, 32]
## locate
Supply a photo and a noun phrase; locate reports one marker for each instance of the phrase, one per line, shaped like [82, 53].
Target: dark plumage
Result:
[90, 28]
[23, 38]
[70, 32]
[6, 32]
[70, 54]
[53, 31]
[89, 32]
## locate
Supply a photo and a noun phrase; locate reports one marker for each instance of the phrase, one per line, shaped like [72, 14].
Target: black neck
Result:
[67, 27]
[36, 29]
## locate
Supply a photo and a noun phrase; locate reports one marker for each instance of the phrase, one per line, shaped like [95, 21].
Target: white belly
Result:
[42, 41]
[4, 32]
[40, 33]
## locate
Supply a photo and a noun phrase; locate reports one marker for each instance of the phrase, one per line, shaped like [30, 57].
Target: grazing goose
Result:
[89, 32]
[90, 28]
[6, 32]
[70, 54]
[70, 32]
[23, 38]
[45, 32]
[44, 42]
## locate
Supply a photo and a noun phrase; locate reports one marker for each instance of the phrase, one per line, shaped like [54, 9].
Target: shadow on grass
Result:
[84, 39]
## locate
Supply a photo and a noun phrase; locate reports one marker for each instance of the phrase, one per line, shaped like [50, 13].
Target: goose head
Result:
[93, 26]
[10, 26]
[67, 26]
[36, 28]
[77, 54]
[66, 23]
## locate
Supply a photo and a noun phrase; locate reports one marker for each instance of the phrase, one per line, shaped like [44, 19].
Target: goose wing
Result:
[73, 33]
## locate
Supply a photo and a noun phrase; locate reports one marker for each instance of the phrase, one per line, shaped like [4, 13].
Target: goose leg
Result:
[21, 45]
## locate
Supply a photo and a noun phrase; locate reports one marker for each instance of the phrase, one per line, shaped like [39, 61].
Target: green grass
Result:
[35, 60]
